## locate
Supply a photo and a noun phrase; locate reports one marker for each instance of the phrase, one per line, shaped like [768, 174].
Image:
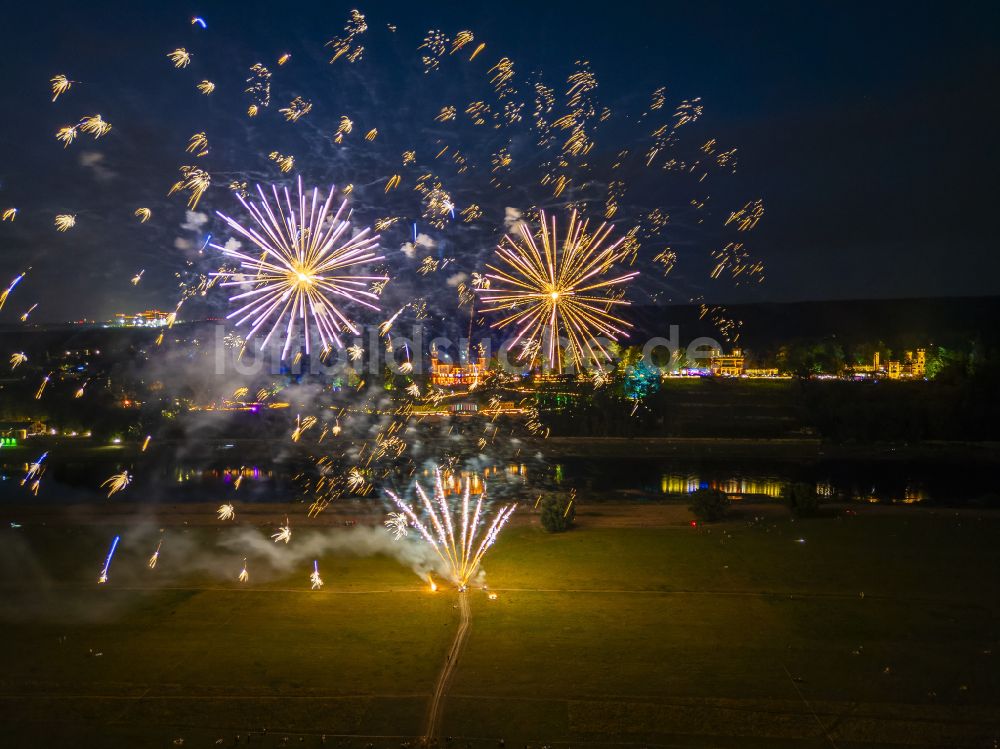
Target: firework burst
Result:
[562, 289]
[314, 578]
[301, 273]
[65, 221]
[118, 482]
[60, 85]
[454, 533]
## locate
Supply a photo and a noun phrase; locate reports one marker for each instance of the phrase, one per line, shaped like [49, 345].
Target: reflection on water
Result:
[184, 475]
[737, 486]
[903, 482]
[454, 481]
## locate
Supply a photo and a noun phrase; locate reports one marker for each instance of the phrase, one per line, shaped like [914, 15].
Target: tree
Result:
[801, 499]
[558, 510]
[709, 505]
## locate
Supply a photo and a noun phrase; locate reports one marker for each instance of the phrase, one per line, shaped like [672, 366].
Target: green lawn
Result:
[741, 636]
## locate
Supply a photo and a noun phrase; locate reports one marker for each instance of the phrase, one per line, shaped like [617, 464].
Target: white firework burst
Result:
[302, 271]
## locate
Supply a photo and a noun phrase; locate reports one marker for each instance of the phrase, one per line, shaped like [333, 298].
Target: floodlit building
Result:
[913, 366]
[150, 318]
[731, 365]
[445, 374]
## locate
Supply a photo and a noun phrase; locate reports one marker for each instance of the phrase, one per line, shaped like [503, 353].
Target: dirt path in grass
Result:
[437, 699]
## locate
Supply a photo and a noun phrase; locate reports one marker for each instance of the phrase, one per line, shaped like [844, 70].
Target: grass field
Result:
[852, 631]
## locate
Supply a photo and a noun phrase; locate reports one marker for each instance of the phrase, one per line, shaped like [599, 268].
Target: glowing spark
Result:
[17, 359]
[66, 134]
[35, 469]
[371, 134]
[398, 524]
[198, 143]
[226, 512]
[180, 57]
[284, 533]
[206, 87]
[314, 578]
[145, 442]
[355, 352]
[9, 214]
[302, 271]
[560, 290]
[117, 482]
[460, 549]
[24, 316]
[95, 125]
[60, 85]
[461, 39]
[344, 46]
[746, 218]
[284, 58]
[143, 214]
[345, 128]
[196, 181]
[244, 575]
[356, 480]
[478, 49]
[199, 21]
[65, 221]
[446, 113]
[296, 109]
[138, 277]
[393, 182]
[103, 578]
[285, 163]
[41, 388]
[302, 426]
[156, 556]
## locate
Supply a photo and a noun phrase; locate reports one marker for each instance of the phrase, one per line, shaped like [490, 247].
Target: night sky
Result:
[868, 131]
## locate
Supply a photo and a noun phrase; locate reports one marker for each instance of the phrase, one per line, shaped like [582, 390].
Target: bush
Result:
[709, 505]
[801, 499]
[558, 510]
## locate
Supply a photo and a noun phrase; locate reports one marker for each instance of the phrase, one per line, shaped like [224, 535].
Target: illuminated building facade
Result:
[150, 318]
[913, 366]
[731, 365]
[448, 375]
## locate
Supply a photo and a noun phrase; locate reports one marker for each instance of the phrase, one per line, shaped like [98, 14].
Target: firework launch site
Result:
[762, 630]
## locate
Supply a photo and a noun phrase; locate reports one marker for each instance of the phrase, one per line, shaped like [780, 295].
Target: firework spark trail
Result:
[156, 556]
[226, 512]
[314, 578]
[41, 388]
[244, 575]
[301, 273]
[559, 289]
[10, 288]
[284, 533]
[60, 85]
[35, 469]
[398, 524]
[461, 553]
[118, 482]
[107, 562]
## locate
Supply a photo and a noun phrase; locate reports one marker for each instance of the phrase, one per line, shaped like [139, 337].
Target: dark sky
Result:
[869, 131]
